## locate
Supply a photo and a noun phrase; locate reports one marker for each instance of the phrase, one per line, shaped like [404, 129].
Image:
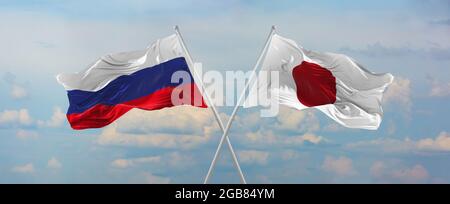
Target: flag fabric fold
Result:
[332, 83]
[117, 83]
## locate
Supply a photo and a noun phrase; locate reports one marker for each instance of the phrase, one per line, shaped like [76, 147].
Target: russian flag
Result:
[117, 83]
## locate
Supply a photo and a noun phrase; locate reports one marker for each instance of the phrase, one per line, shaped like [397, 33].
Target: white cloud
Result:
[24, 169]
[54, 163]
[249, 121]
[383, 172]
[439, 89]
[440, 143]
[22, 118]
[122, 163]
[411, 175]
[379, 50]
[399, 92]
[179, 160]
[253, 157]
[377, 169]
[15, 118]
[341, 166]
[383, 144]
[180, 119]
[269, 138]
[171, 160]
[308, 137]
[126, 163]
[298, 121]
[149, 178]
[57, 119]
[290, 119]
[26, 134]
[260, 137]
[289, 128]
[152, 179]
[289, 155]
[334, 127]
[178, 127]
[18, 92]
[391, 127]
[110, 136]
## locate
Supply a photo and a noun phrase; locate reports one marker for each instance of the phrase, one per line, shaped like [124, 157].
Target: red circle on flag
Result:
[315, 85]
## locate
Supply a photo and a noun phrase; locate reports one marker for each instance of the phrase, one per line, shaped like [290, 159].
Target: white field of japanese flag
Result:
[333, 83]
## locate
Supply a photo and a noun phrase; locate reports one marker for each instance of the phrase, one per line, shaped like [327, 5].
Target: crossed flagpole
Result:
[214, 110]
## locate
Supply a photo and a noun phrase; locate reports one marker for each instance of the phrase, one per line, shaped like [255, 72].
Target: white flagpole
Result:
[233, 114]
[213, 107]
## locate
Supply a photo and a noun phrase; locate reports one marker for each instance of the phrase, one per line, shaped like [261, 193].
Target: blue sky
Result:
[43, 38]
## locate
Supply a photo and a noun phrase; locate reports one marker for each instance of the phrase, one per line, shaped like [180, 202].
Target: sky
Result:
[408, 38]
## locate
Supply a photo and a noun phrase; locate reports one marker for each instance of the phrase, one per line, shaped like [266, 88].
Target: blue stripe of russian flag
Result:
[148, 89]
